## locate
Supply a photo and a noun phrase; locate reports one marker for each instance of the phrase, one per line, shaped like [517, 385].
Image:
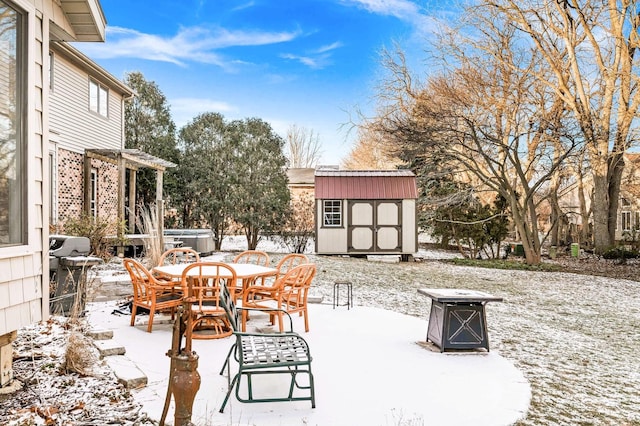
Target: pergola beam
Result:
[133, 160]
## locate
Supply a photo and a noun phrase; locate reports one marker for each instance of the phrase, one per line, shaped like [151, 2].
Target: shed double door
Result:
[374, 226]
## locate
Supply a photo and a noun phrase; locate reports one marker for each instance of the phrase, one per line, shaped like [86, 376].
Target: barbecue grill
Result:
[68, 258]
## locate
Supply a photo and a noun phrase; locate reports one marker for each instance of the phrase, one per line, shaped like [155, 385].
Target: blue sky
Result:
[312, 63]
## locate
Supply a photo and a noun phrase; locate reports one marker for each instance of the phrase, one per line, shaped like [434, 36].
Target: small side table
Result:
[336, 294]
[457, 319]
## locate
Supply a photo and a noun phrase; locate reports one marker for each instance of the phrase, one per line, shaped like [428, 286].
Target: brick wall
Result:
[71, 188]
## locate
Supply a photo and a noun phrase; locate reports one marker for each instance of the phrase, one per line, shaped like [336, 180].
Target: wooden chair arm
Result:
[260, 289]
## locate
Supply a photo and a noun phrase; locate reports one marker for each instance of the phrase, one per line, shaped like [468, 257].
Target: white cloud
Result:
[329, 47]
[184, 110]
[191, 44]
[244, 6]
[403, 9]
[305, 60]
[316, 58]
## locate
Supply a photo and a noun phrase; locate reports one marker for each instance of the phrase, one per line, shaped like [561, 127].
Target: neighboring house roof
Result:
[365, 184]
[86, 20]
[301, 176]
[83, 62]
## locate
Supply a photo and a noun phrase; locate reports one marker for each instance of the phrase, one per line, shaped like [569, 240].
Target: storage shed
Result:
[366, 212]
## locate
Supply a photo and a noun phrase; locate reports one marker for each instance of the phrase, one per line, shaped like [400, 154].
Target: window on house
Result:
[13, 169]
[636, 221]
[53, 188]
[332, 213]
[626, 221]
[93, 204]
[98, 98]
[51, 70]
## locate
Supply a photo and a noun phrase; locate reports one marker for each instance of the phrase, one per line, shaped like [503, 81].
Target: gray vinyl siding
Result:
[78, 127]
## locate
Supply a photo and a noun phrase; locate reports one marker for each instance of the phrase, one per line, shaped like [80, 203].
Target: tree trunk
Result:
[528, 232]
[218, 235]
[556, 214]
[616, 167]
[584, 212]
[252, 237]
[600, 208]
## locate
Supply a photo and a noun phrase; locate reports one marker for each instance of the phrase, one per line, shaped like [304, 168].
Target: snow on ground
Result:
[574, 337]
[370, 365]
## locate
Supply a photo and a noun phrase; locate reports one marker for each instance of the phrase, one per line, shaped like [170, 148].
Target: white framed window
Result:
[51, 59]
[625, 220]
[13, 126]
[53, 187]
[93, 202]
[332, 213]
[98, 98]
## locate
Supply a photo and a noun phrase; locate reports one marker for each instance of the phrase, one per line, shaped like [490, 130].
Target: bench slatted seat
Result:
[266, 353]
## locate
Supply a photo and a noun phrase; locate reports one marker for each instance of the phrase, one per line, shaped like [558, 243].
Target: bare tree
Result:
[487, 121]
[589, 47]
[303, 146]
[372, 151]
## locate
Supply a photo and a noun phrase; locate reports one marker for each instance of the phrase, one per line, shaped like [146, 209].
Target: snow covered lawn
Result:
[575, 337]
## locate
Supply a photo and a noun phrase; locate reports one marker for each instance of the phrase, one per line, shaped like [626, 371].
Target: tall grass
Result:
[148, 222]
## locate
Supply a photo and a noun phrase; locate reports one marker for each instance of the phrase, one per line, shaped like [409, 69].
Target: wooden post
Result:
[6, 358]
[133, 176]
[122, 175]
[160, 208]
[87, 185]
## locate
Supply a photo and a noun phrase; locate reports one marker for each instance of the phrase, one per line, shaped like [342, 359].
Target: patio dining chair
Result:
[288, 294]
[179, 255]
[174, 256]
[150, 293]
[290, 261]
[256, 257]
[203, 281]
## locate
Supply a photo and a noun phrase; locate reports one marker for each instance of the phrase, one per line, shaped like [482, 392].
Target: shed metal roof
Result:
[365, 184]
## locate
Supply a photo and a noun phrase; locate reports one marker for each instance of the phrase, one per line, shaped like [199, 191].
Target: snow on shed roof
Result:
[365, 184]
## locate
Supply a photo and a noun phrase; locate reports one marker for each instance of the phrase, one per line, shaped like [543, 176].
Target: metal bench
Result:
[266, 353]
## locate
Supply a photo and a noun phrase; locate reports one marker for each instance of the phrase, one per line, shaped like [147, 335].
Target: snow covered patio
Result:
[384, 374]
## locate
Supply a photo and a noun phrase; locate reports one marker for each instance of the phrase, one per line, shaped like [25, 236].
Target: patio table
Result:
[247, 272]
[457, 319]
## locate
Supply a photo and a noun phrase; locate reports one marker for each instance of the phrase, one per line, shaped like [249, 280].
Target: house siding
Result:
[24, 281]
[22, 287]
[70, 114]
[77, 129]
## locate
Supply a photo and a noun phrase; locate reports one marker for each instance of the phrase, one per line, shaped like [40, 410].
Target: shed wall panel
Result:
[409, 227]
[330, 240]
